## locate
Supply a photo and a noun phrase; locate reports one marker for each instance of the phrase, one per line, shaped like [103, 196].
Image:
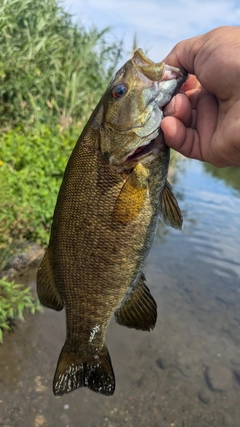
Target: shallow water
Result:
[185, 373]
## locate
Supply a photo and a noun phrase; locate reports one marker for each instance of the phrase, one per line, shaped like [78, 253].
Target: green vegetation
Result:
[14, 299]
[51, 70]
[31, 173]
[52, 74]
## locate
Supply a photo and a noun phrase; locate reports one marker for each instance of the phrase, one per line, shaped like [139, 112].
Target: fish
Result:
[114, 191]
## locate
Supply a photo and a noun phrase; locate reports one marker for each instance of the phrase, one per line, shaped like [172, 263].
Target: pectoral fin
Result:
[170, 212]
[132, 196]
[139, 310]
[46, 288]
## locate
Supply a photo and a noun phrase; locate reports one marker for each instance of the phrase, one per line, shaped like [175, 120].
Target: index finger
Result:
[191, 83]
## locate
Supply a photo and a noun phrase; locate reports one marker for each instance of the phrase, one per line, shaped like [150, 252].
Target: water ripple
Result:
[212, 221]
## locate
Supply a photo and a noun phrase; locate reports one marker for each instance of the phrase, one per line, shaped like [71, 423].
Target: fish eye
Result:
[119, 90]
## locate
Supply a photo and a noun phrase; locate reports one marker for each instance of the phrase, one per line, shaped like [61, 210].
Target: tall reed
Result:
[51, 70]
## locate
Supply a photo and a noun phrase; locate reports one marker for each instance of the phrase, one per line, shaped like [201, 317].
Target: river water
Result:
[185, 373]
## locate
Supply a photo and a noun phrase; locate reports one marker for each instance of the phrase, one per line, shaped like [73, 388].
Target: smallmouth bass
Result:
[114, 189]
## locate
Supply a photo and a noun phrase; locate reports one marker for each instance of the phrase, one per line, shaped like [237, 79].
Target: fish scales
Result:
[114, 189]
[100, 241]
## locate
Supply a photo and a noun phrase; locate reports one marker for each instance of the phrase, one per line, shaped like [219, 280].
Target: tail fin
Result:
[73, 372]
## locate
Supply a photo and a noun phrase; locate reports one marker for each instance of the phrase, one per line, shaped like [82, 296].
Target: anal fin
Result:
[139, 309]
[46, 288]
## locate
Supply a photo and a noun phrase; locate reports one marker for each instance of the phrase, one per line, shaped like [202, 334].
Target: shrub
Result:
[14, 299]
[31, 171]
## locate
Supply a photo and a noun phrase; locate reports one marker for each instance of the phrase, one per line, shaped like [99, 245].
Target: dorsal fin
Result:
[170, 212]
[139, 309]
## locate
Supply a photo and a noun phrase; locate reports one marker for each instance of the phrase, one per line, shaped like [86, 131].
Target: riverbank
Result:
[26, 255]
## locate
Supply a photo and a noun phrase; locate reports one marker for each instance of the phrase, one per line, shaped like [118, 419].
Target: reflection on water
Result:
[230, 175]
[185, 373]
[215, 236]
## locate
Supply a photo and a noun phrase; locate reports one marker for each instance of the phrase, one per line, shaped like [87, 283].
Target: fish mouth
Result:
[145, 151]
[141, 151]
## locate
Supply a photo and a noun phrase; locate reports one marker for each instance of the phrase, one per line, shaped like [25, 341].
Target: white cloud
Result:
[159, 24]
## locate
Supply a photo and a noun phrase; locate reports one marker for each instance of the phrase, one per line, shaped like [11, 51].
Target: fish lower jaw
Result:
[144, 153]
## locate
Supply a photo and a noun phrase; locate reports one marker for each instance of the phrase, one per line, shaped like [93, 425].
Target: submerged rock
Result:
[162, 363]
[219, 378]
[205, 396]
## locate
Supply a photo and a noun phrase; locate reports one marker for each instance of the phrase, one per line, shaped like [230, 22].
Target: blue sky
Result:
[158, 24]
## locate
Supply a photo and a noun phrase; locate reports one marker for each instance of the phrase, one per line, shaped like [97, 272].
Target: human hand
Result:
[203, 122]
